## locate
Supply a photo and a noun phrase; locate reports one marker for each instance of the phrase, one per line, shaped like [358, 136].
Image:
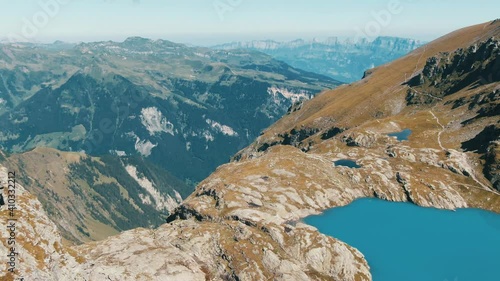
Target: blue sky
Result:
[214, 21]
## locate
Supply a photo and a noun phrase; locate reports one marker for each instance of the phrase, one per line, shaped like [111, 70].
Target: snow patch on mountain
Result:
[161, 202]
[276, 92]
[119, 153]
[201, 55]
[144, 147]
[155, 122]
[226, 130]
[208, 136]
[145, 199]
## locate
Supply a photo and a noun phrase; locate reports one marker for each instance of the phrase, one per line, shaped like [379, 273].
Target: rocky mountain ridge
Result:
[396, 42]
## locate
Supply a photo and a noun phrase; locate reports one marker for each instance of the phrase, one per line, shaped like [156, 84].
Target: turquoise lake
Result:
[347, 163]
[404, 242]
[402, 136]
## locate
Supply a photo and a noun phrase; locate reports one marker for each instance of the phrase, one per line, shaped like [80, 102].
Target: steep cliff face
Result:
[244, 221]
[91, 198]
[32, 247]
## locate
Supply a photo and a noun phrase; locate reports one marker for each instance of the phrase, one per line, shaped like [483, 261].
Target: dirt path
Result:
[441, 131]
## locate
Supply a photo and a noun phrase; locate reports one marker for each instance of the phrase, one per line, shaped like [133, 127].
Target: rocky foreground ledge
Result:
[245, 244]
[244, 221]
[247, 226]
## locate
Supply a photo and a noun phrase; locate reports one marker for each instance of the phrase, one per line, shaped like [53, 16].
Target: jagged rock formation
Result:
[243, 222]
[492, 166]
[449, 73]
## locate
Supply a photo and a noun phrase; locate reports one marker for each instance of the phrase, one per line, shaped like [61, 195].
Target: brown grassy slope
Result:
[91, 198]
[453, 107]
[354, 104]
[46, 172]
[379, 104]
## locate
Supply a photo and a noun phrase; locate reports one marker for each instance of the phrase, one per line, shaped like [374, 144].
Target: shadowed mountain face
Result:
[186, 109]
[92, 198]
[342, 60]
[117, 108]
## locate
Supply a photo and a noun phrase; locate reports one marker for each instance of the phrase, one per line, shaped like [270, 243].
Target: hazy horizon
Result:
[211, 42]
[211, 22]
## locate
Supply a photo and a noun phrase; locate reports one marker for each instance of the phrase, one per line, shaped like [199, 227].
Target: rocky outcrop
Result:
[481, 141]
[449, 73]
[366, 140]
[492, 166]
[38, 249]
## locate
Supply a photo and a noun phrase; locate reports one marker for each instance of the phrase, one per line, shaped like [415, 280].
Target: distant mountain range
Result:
[343, 60]
[186, 109]
[140, 121]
